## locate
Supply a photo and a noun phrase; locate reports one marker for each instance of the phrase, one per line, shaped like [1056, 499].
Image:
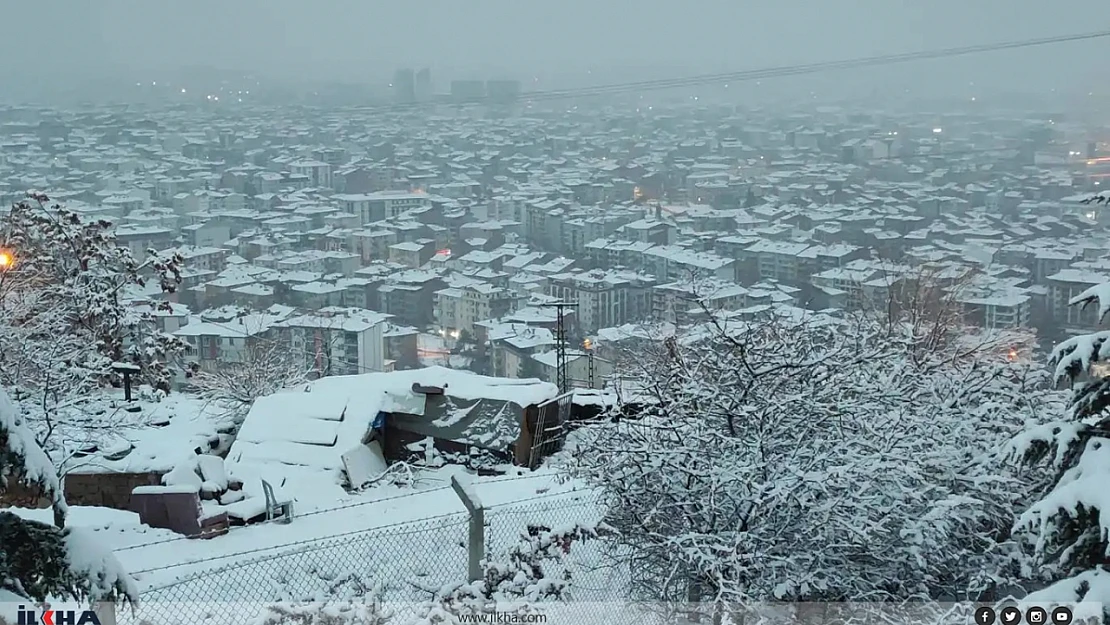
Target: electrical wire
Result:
[749, 75]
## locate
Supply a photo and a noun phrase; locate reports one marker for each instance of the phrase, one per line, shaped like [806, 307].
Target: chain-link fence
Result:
[401, 566]
[594, 575]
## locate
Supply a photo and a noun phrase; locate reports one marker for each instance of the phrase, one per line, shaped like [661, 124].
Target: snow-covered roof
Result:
[302, 434]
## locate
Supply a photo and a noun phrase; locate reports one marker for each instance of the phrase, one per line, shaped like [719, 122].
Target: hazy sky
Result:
[366, 39]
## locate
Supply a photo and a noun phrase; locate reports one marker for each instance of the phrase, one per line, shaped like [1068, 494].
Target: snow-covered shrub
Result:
[323, 613]
[1068, 529]
[811, 457]
[532, 572]
[40, 561]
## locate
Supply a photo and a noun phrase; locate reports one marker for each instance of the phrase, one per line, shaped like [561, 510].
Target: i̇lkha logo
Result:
[57, 617]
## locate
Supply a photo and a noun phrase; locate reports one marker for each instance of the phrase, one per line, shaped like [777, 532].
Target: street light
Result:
[7, 260]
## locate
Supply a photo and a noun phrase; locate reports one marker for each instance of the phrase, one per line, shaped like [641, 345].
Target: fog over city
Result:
[597, 312]
[548, 44]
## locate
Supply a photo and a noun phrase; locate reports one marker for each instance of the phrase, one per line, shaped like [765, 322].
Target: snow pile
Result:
[213, 472]
[322, 613]
[184, 475]
[153, 439]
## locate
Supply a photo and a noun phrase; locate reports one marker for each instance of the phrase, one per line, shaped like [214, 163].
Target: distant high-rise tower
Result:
[423, 86]
[404, 86]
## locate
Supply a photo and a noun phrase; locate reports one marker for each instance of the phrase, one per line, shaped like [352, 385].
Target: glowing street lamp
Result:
[7, 260]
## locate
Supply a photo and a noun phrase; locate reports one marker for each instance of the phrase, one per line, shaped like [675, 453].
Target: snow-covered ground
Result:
[398, 542]
[401, 542]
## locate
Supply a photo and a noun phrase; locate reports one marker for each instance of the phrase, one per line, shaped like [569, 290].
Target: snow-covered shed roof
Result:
[304, 432]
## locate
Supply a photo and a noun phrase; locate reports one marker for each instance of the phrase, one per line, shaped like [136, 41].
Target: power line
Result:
[793, 70]
[759, 74]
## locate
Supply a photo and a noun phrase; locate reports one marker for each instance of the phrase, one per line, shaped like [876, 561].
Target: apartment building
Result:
[680, 302]
[670, 262]
[336, 341]
[604, 298]
[228, 336]
[381, 205]
[775, 260]
[1065, 285]
[317, 172]
[458, 309]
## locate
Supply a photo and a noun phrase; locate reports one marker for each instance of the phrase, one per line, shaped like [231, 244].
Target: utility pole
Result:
[562, 375]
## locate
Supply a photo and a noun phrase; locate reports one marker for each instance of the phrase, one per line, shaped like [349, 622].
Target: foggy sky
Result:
[365, 40]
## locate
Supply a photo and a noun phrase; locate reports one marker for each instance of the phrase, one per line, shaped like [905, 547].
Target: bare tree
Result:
[267, 366]
[814, 457]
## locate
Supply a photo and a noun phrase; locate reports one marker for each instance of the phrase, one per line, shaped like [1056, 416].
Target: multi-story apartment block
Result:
[458, 309]
[604, 298]
[374, 207]
[336, 341]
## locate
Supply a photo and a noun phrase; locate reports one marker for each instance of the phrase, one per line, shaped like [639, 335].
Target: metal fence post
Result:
[476, 541]
[105, 612]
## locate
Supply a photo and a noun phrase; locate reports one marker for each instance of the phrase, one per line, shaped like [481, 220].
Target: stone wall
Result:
[108, 490]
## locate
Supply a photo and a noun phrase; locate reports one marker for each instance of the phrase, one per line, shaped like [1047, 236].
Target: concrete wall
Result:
[108, 490]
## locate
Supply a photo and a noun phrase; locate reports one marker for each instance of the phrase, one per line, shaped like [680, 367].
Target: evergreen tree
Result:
[40, 561]
[1069, 527]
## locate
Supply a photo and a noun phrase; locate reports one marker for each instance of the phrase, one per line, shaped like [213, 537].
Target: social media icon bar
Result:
[1010, 615]
[984, 616]
[1061, 615]
[1036, 615]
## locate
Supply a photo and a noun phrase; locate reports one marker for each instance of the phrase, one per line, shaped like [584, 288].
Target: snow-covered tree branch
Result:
[812, 457]
[65, 314]
[267, 367]
[40, 561]
[1068, 530]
